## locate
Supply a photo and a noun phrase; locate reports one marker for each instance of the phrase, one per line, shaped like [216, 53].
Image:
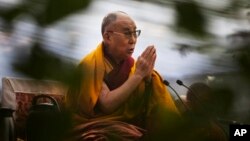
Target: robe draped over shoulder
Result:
[83, 101]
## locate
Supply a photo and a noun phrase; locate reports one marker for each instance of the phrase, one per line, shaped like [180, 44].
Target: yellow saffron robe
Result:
[84, 100]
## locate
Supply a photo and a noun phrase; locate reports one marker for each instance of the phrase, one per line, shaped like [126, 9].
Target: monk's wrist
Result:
[138, 77]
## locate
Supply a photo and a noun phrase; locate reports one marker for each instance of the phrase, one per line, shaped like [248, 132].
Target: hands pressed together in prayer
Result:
[111, 100]
[145, 63]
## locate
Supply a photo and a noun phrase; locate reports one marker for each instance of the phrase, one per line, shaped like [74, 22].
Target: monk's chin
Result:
[130, 54]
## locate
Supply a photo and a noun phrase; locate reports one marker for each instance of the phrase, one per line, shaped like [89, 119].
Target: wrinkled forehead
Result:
[124, 22]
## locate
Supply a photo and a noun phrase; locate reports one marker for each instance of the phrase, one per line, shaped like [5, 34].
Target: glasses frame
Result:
[128, 34]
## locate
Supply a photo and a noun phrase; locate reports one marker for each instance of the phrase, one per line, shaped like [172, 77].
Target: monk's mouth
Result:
[131, 50]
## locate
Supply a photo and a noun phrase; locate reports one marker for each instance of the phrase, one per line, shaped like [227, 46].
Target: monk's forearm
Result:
[115, 98]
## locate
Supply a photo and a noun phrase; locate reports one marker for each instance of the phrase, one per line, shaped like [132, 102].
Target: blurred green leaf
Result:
[45, 11]
[243, 59]
[190, 18]
[57, 9]
[41, 64]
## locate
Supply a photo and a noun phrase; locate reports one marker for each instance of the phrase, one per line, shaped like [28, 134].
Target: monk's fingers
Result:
[153, 60]
[148, 60]
[148, 51]
[151, 54]
[141, 61]
[152, 64]
[143, 64]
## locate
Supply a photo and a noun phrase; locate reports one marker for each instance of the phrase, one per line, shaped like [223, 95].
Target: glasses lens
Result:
[129, 34]
[133, 34]
[138, 32]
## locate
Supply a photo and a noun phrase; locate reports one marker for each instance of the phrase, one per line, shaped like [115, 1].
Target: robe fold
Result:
[96, 67]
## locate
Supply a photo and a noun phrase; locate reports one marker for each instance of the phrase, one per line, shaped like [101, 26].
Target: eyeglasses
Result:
[129, 34]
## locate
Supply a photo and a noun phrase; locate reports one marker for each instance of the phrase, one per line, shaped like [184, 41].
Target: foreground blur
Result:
[217, 54]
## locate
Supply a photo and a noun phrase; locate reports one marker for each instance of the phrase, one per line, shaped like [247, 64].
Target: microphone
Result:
[168, 84]
[194, 94]
[179, 82]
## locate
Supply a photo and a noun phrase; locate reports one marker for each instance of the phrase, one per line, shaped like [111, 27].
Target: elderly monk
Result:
[117, 95]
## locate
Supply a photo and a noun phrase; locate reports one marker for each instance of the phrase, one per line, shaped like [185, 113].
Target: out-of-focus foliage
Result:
[230, 89]
[45, 11]
[243, 59]
[54, 10]
[190, 18]
[40, 63]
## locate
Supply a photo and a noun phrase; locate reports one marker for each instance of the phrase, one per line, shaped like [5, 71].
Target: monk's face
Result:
[122, 37]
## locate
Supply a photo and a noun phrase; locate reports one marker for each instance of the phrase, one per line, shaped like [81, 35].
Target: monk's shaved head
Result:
[110, 18]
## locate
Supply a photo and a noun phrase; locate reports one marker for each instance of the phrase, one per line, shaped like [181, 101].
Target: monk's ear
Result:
[106, 36]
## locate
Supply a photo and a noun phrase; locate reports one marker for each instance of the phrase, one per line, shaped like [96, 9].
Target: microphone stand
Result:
[179, 82]
[167, 84]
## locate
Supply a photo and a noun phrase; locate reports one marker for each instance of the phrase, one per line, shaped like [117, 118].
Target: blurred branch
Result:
[55, 10]
[44, 11]
[190, 18]
[41, 64]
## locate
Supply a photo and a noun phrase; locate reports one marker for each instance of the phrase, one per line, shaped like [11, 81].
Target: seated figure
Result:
[117, 97]
[201, 114]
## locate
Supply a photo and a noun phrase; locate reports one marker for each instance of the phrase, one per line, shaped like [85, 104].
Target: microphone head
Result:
[179, 82]
[166, 82]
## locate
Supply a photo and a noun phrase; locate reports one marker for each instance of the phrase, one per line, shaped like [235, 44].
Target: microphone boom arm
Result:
[167, 84]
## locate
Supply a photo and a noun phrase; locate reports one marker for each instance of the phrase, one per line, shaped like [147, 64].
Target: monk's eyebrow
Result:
[126, 29]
